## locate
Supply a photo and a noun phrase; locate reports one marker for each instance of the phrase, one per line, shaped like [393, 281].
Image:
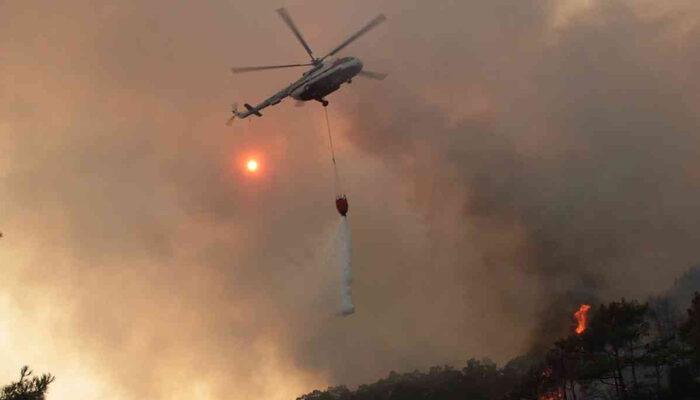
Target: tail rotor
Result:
[234, 111]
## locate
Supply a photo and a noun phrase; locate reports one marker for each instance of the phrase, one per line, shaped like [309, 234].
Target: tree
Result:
[616, 330]
[690, 330]
[684, 376]
[28, 387]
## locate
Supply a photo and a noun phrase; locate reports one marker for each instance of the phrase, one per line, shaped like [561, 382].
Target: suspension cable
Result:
[330, 141]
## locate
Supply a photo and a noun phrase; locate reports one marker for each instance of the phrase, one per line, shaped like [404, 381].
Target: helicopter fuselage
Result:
[325, 79]
[325, 76]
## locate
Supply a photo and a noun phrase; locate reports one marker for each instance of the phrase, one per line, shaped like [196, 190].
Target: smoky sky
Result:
[521, 158]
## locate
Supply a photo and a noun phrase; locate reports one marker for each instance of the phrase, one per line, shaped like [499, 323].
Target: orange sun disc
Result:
[252, 165]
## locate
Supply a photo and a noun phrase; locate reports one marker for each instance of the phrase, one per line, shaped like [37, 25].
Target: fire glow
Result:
[556, 395]
[581, 318]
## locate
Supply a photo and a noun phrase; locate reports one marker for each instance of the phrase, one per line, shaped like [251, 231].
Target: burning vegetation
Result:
[582, 318]
[618, 358]
[556, 395]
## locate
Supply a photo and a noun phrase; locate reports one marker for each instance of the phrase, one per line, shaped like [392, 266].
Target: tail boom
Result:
[252, 110]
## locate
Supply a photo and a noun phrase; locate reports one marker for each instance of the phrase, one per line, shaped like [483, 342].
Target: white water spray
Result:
[343, 250]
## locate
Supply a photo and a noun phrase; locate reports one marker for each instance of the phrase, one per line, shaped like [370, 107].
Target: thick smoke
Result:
[585, 149]
[521, 157]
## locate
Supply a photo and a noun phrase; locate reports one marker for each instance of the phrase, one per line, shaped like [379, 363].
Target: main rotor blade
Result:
[372, 24]
[290, 23]
[238, 70]
[373, 75]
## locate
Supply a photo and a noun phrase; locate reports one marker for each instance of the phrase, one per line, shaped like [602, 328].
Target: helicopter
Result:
[325, 76]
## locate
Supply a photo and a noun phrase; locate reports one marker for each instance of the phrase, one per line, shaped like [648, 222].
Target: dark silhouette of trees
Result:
[28, 387]
[620, 356]
[478, 380]
[628, 351]
[685, 376]
[690, 330]
[614, 335]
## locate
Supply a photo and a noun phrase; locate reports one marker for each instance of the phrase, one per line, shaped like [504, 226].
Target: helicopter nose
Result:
[356, 65]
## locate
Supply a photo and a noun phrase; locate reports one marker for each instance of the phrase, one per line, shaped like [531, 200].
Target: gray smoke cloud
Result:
[521, 157]
[587, 148]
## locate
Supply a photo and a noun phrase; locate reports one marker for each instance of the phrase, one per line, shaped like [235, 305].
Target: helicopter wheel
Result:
[325, 103]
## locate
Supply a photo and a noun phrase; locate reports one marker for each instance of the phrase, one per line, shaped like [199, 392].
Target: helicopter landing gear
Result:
[323, 101]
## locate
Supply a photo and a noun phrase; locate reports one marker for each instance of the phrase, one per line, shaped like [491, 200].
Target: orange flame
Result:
[556, 395]
[581, 318]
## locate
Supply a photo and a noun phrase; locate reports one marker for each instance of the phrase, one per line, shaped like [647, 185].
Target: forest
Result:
[620, 350]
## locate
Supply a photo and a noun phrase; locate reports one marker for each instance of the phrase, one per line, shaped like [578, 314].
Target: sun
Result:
[252, 165]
